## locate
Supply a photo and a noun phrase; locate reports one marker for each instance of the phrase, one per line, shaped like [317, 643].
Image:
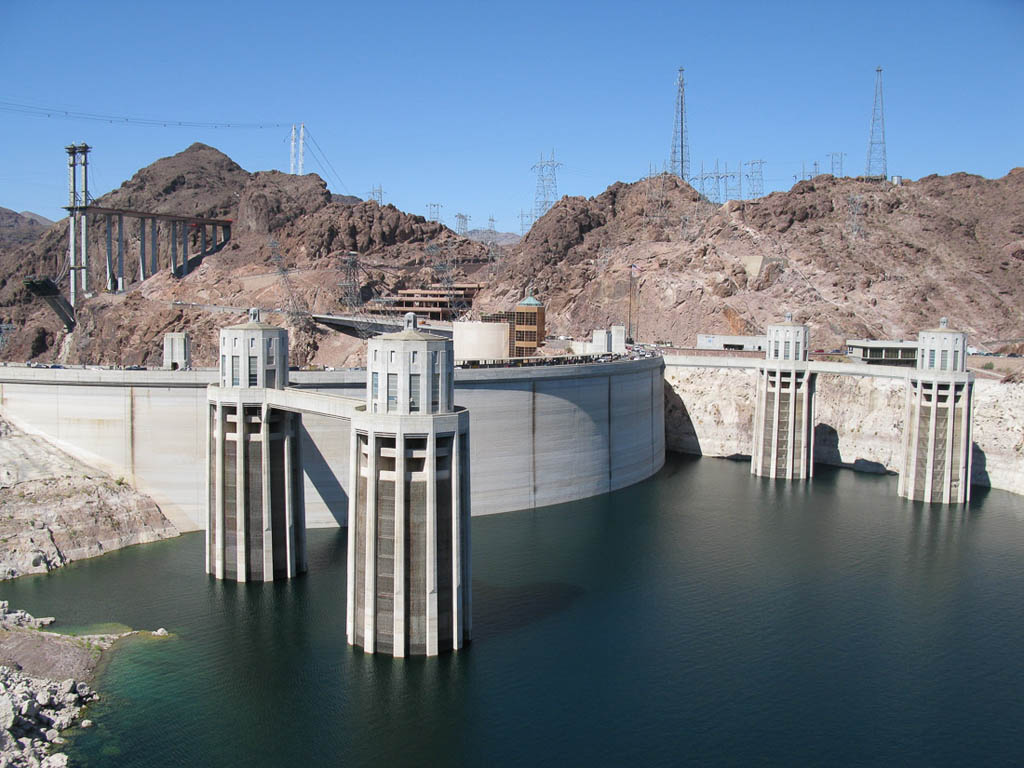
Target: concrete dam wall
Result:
[538, 436]
[858, 420]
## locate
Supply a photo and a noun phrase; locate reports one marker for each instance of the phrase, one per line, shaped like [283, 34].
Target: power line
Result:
[323, 154]
[150, 122]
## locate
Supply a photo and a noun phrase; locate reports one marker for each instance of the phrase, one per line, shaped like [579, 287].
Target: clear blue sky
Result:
[453, 103]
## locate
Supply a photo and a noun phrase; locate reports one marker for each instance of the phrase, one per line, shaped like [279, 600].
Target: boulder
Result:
[7, 712]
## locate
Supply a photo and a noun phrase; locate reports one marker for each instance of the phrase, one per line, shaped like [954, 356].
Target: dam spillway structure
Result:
[936, 464]
[256, 519]
[783, 441]
[409, 511]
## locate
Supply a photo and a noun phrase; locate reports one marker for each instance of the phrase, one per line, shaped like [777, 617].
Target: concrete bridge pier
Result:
[153, 263]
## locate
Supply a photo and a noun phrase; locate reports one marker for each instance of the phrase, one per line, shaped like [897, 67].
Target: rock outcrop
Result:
[850, 257]
[57, 509]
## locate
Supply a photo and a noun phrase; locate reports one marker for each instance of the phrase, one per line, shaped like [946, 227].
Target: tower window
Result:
[785, 350]
[235, 363]
[270, 351]
[253, 371]
[435, 392]
[414, 392]
[392, 391]
[375, 386]
[944, 360]
[931, 358]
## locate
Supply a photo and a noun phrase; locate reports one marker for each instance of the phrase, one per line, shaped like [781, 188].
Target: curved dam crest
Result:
[541, 436]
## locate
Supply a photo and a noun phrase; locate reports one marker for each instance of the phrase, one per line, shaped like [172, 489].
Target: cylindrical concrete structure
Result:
[783, 444]
[937, 448]
[256, 516]
[409, 512]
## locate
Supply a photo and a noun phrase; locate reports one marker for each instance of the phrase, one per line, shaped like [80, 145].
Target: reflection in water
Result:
[706, 617]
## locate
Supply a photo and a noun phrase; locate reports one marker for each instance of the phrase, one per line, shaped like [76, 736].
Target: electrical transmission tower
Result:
[755, 178]
[836, 158]
[547, 185]
[876, 144]
[376, 193]
[655, 205]
[680, 162]
[351, 296]
[297, 313]
[490, 225]
[462, 223]
[302, 149]
[732, 182]
[855, 209]
[524, 219]
[434, 212]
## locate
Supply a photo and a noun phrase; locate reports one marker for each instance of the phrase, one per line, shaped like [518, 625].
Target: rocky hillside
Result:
[852, 258]
[57, 510]
[20, 228]
[282, 223]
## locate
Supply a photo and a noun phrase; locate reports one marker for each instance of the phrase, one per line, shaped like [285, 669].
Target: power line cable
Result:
[71, 114]
[326, 159]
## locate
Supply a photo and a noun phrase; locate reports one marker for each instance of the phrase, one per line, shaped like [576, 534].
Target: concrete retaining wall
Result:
[538, 435]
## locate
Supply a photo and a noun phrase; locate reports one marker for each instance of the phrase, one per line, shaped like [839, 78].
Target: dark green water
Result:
[704, 617]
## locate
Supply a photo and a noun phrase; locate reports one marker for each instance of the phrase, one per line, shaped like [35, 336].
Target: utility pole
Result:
[876, 165]
[291, 162]
[680, 155]
[302, 147]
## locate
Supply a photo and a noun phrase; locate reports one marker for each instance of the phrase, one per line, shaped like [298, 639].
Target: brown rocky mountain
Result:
[853, 258]
[491, 236]
[312, 231]
[20, 228]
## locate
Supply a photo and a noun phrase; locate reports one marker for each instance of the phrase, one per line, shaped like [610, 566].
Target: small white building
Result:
[177, 351]
[721, 341]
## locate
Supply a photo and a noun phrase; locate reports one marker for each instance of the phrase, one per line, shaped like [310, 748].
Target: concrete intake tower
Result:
[937, 420]
[783, 444]
[256, 513]
[408, 533]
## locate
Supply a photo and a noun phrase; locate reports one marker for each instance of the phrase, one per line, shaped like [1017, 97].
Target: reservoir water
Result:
[703, 617]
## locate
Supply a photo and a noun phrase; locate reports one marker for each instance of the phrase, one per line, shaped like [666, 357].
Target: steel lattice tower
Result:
[462, 223]
[876, 144]
[836, 158]
[755, 178]
[680, 156]
[547, 185]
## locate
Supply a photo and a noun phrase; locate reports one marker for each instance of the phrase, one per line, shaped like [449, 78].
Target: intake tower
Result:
[408, 531]
[937, 420]
[784, 414]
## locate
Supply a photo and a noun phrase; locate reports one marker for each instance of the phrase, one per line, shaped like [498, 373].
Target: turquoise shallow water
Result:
[703, 617]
